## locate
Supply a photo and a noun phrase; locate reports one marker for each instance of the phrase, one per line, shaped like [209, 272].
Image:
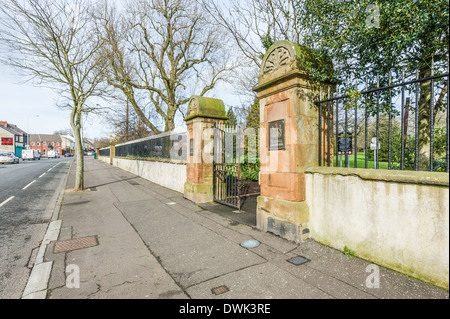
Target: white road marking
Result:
[29, 185]
[9, 199]
[42, 175]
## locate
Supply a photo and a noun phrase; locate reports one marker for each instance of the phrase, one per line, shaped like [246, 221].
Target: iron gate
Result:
[226, 166]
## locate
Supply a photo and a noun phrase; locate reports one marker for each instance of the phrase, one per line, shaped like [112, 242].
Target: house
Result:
[87, 144]
[46, 142]
[12, 138]
[68, 144]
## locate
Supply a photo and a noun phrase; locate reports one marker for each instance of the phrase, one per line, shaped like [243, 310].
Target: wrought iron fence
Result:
[105, 152]
[381, 118]
[234, 165]
[164, 146]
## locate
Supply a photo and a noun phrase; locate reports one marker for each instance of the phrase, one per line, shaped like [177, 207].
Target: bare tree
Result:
[167, 50]
[253, 26]
[55, 44]
[126, 123]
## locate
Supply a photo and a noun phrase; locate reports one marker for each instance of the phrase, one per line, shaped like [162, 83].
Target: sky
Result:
[34, 109]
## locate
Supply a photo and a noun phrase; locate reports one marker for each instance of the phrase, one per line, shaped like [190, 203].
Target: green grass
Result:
[361, 161]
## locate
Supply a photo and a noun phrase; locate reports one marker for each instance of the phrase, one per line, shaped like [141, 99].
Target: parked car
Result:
[68, 155]
[9, 158]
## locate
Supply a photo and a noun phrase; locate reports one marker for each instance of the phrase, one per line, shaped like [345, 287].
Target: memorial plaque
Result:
[277, 135]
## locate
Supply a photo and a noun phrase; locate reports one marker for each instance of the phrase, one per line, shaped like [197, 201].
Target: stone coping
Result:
[151, 159]
[409, 177]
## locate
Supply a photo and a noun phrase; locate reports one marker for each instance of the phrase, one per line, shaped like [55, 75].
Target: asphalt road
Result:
[27, 192]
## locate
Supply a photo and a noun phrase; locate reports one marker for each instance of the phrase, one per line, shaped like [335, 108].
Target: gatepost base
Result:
[198, 193]
[286, 219]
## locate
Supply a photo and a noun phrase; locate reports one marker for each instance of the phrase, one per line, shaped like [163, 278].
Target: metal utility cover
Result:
[298, 260]
[74, 244]
[250, 243]
[220, 290]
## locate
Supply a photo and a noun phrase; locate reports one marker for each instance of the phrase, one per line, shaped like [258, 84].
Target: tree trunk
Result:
[424, 121]
[170, 118]
[79, 174]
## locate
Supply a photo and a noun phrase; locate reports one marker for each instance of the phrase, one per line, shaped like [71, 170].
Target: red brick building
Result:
[44, 142]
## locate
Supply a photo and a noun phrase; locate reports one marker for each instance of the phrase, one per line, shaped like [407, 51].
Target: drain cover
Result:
[74, 244]
[250, 243]
[298, 260]
[220, 290]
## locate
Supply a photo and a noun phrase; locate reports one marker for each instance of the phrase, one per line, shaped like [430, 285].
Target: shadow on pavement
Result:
[246, 216]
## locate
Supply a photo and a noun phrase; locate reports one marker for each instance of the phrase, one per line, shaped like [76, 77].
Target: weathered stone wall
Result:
[164, 173]
[395, 219]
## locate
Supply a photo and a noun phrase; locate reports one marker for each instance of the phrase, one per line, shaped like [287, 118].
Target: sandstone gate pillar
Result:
[289, 139]
[202, 114]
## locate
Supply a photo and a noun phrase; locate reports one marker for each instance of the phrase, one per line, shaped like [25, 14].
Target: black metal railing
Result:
[227, 166]
[164, 146]
[105, 152]
[382, 114]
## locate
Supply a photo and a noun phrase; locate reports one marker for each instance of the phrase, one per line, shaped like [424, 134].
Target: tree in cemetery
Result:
[386, 38]
[160, 53]
[54, 44]
[232, 119]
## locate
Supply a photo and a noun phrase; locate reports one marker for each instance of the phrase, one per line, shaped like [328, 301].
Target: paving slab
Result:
[153, 243]
[190, 252]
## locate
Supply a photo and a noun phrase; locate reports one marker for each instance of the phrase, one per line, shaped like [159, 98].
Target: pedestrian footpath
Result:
[127, 238]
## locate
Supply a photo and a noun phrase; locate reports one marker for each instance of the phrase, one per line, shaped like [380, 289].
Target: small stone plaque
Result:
[277, 134]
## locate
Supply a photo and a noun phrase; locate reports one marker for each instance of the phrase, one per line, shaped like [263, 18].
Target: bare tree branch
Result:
[55, 44]
[168, 49]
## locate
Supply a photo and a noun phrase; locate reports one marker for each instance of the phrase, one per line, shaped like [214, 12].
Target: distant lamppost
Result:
[28, 127]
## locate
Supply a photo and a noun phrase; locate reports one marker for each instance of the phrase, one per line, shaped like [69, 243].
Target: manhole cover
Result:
[250, 243]
[220, 290]
[298, 260]
[74, 244]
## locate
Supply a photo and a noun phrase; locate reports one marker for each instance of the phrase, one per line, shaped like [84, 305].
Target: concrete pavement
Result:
[150, 242]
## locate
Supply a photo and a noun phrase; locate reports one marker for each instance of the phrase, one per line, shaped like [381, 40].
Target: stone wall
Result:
[395, 219]
[165, 173]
